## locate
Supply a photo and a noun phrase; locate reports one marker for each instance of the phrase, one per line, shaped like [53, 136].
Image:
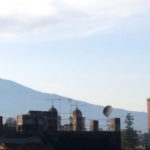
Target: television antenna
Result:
[70, 101]
[76, 105]
[56, 99]
[59, 99]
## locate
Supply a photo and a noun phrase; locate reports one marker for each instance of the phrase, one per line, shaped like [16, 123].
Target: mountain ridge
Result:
[16, 98]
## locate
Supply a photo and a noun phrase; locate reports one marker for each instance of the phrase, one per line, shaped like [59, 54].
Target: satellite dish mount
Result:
[107, 112]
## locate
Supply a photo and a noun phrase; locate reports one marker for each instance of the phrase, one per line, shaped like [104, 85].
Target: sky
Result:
[96, 51]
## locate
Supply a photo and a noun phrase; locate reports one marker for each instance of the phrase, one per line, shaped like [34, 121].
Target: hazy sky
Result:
[97, 51]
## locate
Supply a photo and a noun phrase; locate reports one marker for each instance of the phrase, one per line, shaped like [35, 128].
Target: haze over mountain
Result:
[17, 99]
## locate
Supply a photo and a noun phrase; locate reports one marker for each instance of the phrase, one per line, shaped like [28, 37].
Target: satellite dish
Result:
[107, 110]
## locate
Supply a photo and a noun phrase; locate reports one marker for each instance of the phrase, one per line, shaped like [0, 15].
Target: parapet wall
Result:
[65, 140]
[87, 141]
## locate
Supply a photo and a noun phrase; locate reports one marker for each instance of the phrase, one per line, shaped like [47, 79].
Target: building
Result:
[148, 114]
[66, 137]
[59, 123]
[65, 127]
[114, 125]
[77, 122]
[94, 125]
[38, 120]
[62, 141]
[1, 122]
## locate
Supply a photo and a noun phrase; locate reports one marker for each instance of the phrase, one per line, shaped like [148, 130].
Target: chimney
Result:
[148, 114]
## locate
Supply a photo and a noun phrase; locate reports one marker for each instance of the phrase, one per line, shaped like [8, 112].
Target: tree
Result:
[129, 122]
[129, 135]
[10, 122]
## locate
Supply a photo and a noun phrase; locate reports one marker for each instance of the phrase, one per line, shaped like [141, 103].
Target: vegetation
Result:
[10, 123]
[129, 135]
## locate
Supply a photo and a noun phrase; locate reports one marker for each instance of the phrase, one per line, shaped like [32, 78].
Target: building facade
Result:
[1, 122]
[38, 120]
[148, 114]
[94, 125]
[115, 125]
[77, 122]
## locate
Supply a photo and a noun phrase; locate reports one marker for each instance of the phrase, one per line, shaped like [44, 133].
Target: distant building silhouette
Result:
[94, 125]
[38, 120]
[47, 132]
[50, 121]
[115, 125]
[1, 122]
[77, 122]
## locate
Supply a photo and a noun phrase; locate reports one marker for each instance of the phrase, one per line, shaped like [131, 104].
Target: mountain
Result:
[17, 99]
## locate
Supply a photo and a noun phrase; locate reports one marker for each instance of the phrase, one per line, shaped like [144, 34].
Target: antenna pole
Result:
[108, 124]
[70, 100]
[59, 106]
[52, 102]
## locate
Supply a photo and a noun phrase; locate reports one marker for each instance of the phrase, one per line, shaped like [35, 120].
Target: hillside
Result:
[18, 99]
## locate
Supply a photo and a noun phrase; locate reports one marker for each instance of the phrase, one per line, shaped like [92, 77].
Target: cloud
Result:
[76, 17]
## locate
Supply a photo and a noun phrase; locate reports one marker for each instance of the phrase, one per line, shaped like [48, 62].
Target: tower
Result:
[148, 114]
[77, 122]
[53, 119]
